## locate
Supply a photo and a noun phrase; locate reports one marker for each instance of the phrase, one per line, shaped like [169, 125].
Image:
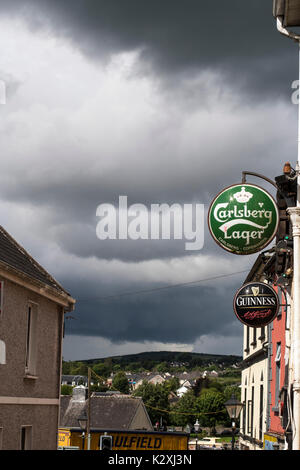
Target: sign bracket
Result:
[258, 175]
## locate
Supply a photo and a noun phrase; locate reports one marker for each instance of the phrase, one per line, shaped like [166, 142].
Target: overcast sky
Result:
[164, 102]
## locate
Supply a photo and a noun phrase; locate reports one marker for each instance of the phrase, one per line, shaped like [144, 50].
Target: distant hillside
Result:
[148, 360]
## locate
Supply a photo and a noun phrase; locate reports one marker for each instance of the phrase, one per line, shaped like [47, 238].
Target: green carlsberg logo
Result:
[243, 219]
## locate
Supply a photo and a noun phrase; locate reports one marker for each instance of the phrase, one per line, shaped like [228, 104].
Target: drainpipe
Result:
[269, 375]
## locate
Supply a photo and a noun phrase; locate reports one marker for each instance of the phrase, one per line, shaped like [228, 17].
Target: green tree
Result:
[210, 405]
[79, 368]
[185, 409]
[162, 367]
[120, 382]
[232, 389]
[99, 388]
[101, 369]
[172, 384]
[66, 389]
[155, 398]
[200, 384]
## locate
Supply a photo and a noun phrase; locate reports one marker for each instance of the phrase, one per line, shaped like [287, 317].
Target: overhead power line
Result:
[157, 289]
[191, 413]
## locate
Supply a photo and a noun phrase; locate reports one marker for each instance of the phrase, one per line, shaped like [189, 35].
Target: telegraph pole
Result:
[88, 429]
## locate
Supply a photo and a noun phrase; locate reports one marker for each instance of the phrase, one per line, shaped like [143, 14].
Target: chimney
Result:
[79, 393]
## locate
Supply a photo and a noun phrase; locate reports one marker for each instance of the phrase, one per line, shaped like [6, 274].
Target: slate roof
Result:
[70, 411]
[107, 412]
[14, 255]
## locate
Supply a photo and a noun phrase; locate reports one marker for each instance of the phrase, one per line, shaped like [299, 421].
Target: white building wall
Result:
[253, 420]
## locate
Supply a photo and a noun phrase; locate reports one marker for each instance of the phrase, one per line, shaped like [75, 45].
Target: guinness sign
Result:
[256, 304]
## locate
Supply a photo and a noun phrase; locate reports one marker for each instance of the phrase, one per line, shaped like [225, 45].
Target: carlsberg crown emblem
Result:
[243, 196]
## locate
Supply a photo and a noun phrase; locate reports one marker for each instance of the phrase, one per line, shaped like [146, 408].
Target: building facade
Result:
[254, 383]
[33, 304]
[254, 393]
[266, 418]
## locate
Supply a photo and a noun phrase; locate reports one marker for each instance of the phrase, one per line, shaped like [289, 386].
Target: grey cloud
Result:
[236, 37]
[181, 315]
[173, 159]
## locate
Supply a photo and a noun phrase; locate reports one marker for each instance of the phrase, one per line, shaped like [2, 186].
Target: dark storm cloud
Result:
[180, 157]
[180, 315]
[236, 37]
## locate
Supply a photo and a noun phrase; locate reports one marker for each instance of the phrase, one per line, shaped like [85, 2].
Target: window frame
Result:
[31, 339]
[26, 437]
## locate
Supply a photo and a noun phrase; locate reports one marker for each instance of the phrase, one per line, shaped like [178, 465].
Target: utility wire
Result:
[157, 289]
[192, 413]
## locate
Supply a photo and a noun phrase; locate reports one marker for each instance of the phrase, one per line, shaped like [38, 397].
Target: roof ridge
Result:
[38, 266]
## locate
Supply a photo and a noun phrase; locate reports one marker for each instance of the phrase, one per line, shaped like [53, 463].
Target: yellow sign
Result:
[122, 440]
[64, 438]
[269, 441]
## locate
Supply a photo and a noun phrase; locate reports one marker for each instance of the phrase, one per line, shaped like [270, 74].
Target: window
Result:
[261, 410]
[26, 437]
[249, 416]
[31, 340]
[277, 376]
[262, 334]
[247, 339]
[250, 413]
[2, 352]
[1, 297]
[254, 337]
[244, 413]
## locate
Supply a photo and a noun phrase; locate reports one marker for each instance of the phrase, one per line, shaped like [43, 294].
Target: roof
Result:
[15, 256]
[107, 412]
[73, 377]
[70, 410]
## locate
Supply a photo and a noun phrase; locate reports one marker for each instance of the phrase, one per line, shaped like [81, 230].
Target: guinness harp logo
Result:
[255, 291]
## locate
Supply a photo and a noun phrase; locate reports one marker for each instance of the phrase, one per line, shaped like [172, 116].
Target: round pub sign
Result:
[243, 219]
[256, 304]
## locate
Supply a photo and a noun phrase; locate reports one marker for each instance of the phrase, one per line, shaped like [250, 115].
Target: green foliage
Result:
[232, 389]
[66, 390]
[102, 369]
[172, 384]
[155, 398]
[162, 367]
[175, 361]
[186, 410]
[120, 382]
[99, 388]
[74, 368]
[201, 383]
[210, 405]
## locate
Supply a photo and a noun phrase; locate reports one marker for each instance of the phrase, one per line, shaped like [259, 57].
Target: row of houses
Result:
[186, 379]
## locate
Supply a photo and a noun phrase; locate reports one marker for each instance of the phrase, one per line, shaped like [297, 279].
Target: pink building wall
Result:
[278, 337]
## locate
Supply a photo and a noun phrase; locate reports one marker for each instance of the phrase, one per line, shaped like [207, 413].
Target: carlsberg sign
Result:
[243, 219]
